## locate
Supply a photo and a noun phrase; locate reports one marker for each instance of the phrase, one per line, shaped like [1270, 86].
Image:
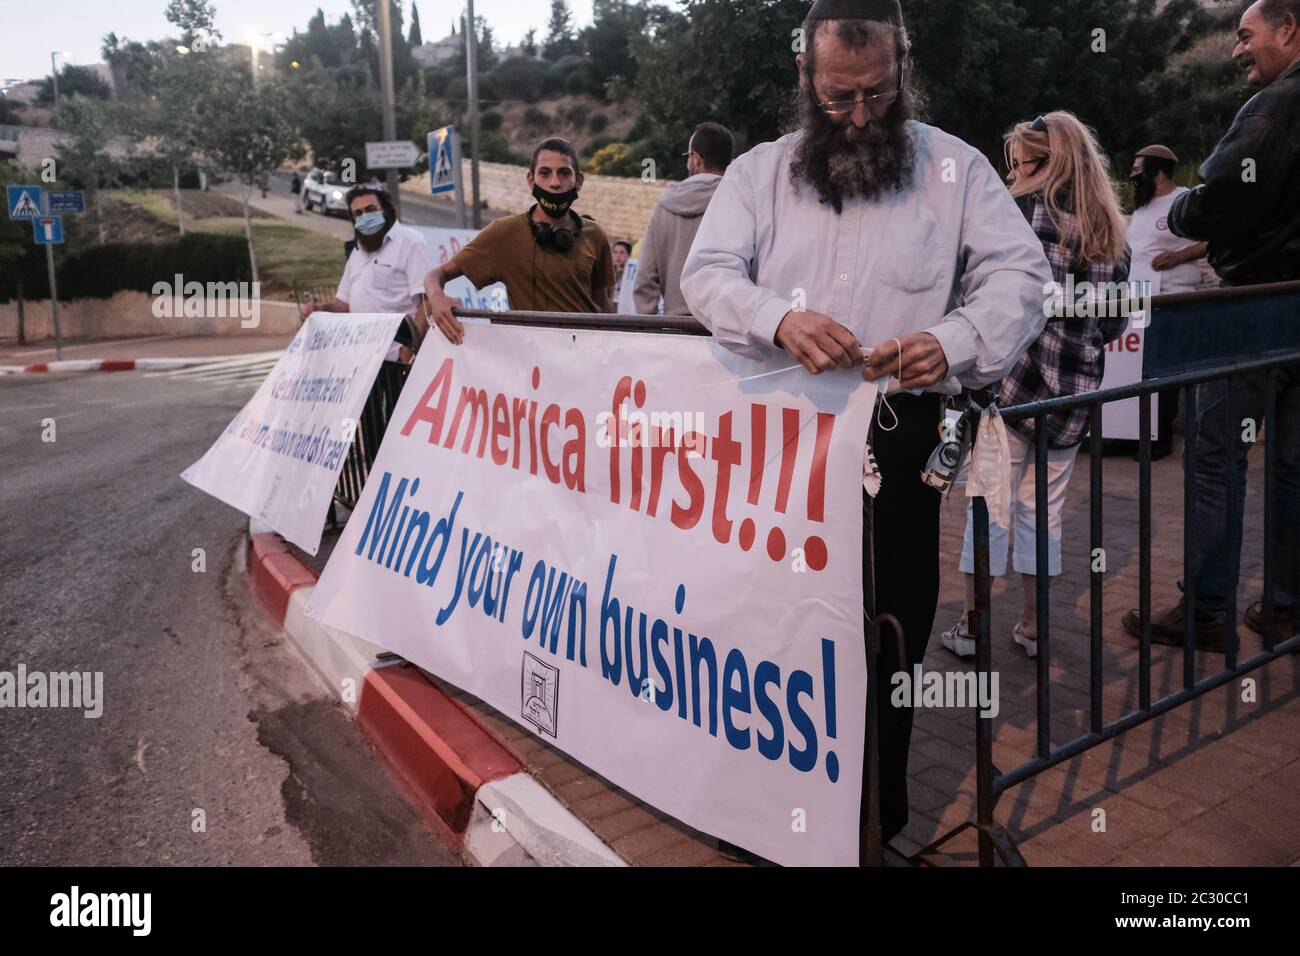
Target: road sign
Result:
[73, 200]
[24, 201]
[48, 230]
[396, 154]
[444, 160]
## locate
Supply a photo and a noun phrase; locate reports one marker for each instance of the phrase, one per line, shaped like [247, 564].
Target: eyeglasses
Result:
[840, 107]
[1039, 125]
[1036, 163]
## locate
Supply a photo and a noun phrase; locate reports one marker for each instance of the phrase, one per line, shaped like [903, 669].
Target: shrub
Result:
[535, 118]
[596, 144]
[643, 128]
[493, 148]
[521, 77]
[97, 272]
[598, 122]
[617, 159]
[490, 121]
[575, 75]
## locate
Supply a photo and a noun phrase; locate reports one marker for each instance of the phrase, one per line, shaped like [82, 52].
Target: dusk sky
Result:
[77, 27]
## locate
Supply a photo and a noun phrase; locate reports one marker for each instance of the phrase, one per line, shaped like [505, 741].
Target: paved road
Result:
[204, 709]
[280, 202]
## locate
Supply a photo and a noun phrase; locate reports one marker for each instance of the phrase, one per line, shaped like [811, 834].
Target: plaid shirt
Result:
[1070, 355]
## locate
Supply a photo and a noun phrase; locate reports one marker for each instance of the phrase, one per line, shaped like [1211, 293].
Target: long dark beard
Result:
[841, 162]
[1144, 190]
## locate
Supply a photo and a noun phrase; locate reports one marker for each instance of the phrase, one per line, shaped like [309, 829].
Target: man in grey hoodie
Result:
[675, 220]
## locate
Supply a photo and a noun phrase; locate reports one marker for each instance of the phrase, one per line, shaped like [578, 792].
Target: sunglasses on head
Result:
[1039, 125]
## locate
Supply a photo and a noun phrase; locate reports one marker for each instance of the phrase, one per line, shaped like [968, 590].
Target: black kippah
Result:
[882, 10]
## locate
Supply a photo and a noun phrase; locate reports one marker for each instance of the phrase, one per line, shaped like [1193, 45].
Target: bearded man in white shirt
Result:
[384, 272]
[893, 237]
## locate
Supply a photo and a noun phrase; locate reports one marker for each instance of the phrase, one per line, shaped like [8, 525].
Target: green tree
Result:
[338, 111]
[73, 81]
[196, 18]
[487, 56]
[613, 24]
[88, 124]
[416, 38]
[981, 65]
[368, 37]
[984, 65]
[248, 132]
[729, 61]
[560, 39]
[134, 65]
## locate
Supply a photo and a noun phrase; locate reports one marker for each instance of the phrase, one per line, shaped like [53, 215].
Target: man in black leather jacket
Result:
[1248, 209]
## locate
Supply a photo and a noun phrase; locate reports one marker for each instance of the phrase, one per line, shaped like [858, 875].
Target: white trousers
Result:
[1060, 464]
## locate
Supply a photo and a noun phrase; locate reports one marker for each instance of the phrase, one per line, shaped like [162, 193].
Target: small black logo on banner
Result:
[540, 694]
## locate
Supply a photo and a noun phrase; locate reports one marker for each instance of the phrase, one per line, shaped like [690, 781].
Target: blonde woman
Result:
[1061, 180]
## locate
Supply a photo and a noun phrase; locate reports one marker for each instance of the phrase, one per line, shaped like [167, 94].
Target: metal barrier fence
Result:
[369, 433]
[1206, 335]
[320, 292]
[1212, 363]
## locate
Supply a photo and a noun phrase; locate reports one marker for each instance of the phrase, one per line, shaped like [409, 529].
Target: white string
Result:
[884, 401]
[750, 378]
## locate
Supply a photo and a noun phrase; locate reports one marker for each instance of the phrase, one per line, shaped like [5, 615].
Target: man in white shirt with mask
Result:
[385, 272]
[1159, 257]
[885, 229]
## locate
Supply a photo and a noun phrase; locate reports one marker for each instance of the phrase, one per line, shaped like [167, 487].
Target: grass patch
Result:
[149, 201]
[285, 252]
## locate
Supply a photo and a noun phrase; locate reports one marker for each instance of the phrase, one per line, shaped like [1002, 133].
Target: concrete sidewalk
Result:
[1215, 782]
[152, 346]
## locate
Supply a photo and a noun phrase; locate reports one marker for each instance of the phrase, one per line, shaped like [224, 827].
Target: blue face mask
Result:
[369, 223]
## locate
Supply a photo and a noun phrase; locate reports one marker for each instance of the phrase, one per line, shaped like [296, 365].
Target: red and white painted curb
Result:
[105, 365]
[459, 774]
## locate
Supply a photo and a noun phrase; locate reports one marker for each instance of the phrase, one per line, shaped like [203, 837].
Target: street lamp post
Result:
[385, 26]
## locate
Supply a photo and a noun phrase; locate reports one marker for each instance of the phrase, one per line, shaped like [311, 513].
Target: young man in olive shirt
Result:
[550, 258]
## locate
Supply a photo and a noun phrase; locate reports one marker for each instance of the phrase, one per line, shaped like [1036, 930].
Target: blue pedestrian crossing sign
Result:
[48, 230]
[444, 160]
[24, 201]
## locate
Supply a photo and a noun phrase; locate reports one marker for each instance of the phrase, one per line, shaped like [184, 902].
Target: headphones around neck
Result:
[547, 235]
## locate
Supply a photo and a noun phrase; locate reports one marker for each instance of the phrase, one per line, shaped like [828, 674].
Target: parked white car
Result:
[324, 191]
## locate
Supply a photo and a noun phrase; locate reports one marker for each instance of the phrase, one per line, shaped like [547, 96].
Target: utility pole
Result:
[471, 66]
[54, 303]
[386, 87]
[54, 74]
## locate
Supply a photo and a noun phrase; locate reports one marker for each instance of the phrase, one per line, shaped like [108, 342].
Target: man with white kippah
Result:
[912, 260]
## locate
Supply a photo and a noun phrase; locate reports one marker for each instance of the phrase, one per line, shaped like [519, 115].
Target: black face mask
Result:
[555, 205]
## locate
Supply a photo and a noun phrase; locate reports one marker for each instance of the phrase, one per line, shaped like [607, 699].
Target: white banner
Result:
[445, 243]
[627, 293]
[280, 458]
[644, 549]
[1124, 366]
